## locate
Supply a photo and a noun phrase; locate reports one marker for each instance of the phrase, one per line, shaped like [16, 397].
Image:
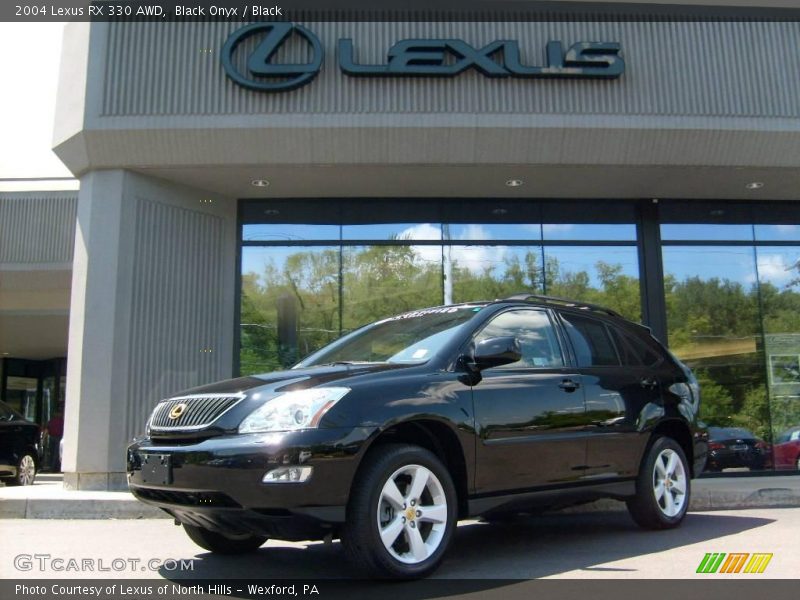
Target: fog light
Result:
[287, 475]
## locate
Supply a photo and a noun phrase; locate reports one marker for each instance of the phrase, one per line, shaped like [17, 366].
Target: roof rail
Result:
[564, 302]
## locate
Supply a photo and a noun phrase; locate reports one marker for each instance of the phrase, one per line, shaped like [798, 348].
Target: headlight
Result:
[301, 409]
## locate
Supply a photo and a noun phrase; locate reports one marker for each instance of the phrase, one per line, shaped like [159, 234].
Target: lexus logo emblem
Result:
[260, 72]
[177, 411]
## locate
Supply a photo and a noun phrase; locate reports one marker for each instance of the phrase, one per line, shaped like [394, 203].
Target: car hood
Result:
[293, 379]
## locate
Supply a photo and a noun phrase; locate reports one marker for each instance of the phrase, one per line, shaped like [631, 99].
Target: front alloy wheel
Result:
[412, 522]
[662, 487]
[26, 470]
[401, 514]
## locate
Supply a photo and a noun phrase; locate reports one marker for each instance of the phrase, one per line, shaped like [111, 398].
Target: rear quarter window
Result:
[591, 341]
[644, 353]
[627, 354]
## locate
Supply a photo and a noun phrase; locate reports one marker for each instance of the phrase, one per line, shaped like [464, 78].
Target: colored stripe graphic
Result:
[711, 562]
[758, 563]
[734, 562]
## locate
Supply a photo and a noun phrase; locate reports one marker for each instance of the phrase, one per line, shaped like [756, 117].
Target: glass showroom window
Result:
[383, 280]
[289, 304]
[779, 282]
[305, 284]
[733, 308]
[565, 265]
[605, 275]
[714, 326]
[475, 272]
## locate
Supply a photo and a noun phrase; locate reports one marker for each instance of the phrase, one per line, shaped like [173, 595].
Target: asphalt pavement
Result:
[596, 545]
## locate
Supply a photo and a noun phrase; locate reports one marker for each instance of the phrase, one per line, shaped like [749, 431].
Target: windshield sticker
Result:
[419, 353]
[428, 311]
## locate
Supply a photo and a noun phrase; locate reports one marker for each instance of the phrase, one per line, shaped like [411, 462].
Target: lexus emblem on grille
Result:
[177, 411]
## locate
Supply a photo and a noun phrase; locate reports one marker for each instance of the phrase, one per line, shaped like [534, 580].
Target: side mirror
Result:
[495, 352]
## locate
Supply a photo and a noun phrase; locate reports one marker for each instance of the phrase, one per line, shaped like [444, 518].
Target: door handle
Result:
[568, 385]
[648, 382]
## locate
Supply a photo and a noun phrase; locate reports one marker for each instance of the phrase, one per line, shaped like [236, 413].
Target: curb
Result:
[704, 500]
[773, 497]
[67, 508]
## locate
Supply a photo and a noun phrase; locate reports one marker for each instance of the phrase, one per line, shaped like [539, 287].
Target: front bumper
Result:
[217, 482]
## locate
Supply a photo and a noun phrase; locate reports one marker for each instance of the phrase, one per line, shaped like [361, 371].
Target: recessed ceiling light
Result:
[755, 185]
[514, 182]
[260, 183]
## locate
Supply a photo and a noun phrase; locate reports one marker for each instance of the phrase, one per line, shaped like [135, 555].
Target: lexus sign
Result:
[409, 58]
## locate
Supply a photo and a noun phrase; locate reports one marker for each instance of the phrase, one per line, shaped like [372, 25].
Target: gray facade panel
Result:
[37, 227]
[673, 69]
[177, 306]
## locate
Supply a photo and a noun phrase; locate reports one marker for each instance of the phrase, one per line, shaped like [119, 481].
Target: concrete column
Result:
[87, 463]
[145, 252]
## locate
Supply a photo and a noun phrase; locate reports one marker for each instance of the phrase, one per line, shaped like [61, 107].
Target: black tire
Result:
[221, 544]
[644, 507]
[23, 475]
[361, 537]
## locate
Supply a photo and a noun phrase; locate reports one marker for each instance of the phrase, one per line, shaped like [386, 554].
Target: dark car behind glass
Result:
[735, 447]
[19, 447]
[390, 435]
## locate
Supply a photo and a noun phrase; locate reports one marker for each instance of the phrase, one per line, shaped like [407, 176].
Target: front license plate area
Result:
[157, 469]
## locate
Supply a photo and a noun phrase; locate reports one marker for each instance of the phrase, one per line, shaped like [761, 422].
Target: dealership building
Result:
[250, 192]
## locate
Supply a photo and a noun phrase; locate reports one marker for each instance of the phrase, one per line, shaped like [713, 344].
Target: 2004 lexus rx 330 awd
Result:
[390, 435]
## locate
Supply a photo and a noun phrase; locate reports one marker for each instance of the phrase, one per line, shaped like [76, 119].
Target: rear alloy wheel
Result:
[662, 488]
[26, 471]
[223, 544]
[402, 513]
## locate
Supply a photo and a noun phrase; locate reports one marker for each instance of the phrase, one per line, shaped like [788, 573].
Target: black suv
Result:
[19, 447]
[390, 435]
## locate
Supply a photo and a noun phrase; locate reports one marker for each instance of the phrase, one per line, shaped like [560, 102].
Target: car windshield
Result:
[723, 433]
[789, 435]
[413, 337]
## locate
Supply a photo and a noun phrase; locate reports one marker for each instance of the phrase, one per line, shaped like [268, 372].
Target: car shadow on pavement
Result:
[483, 553]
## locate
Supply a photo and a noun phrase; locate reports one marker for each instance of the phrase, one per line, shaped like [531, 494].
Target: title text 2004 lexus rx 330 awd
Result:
[390, 435]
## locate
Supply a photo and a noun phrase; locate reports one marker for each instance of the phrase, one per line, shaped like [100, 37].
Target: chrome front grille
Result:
[190, 413]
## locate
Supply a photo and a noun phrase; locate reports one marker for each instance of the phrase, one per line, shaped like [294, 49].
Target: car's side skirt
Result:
[552, 496]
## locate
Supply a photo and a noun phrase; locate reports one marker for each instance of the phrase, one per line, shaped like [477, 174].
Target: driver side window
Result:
[537, 338]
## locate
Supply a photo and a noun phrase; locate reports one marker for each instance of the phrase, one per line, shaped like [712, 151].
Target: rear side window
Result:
[591, 341]
[645, 354]
[626, 352]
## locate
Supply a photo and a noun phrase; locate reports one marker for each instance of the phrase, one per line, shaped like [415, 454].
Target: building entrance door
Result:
[36, 390]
